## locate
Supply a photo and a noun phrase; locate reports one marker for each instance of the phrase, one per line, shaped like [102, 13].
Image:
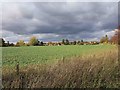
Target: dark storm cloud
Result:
[69, 20]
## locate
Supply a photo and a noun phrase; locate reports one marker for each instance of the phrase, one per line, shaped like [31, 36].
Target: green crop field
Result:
[47, 54]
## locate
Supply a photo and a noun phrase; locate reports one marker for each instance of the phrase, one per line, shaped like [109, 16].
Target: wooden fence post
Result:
[17, 68]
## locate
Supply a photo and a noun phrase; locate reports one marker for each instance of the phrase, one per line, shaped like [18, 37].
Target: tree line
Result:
[115, 39]
[32, 42]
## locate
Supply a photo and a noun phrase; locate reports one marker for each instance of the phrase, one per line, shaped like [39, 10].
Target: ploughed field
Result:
[48, 54]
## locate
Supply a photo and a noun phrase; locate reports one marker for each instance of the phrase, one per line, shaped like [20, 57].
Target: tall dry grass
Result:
[100, 70]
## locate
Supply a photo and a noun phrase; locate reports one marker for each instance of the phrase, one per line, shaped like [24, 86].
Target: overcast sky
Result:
[54, 21]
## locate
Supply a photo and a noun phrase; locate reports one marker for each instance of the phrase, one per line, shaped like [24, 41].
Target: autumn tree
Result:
[115, 39]
[26, 44]
[104, 39]
[33, 41]
[20, 43]
[17, 44]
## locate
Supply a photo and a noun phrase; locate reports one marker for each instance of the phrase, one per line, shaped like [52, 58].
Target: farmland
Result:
[74, 66]
[35, 55]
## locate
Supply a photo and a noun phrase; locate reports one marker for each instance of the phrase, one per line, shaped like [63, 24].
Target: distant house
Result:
[94, 42]
[54, 44]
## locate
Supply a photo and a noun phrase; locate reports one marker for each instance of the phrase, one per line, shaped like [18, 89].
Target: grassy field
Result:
[94, 66]
[49, 54]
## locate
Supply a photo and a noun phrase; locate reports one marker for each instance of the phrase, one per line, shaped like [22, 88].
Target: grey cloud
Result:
[68, 20]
